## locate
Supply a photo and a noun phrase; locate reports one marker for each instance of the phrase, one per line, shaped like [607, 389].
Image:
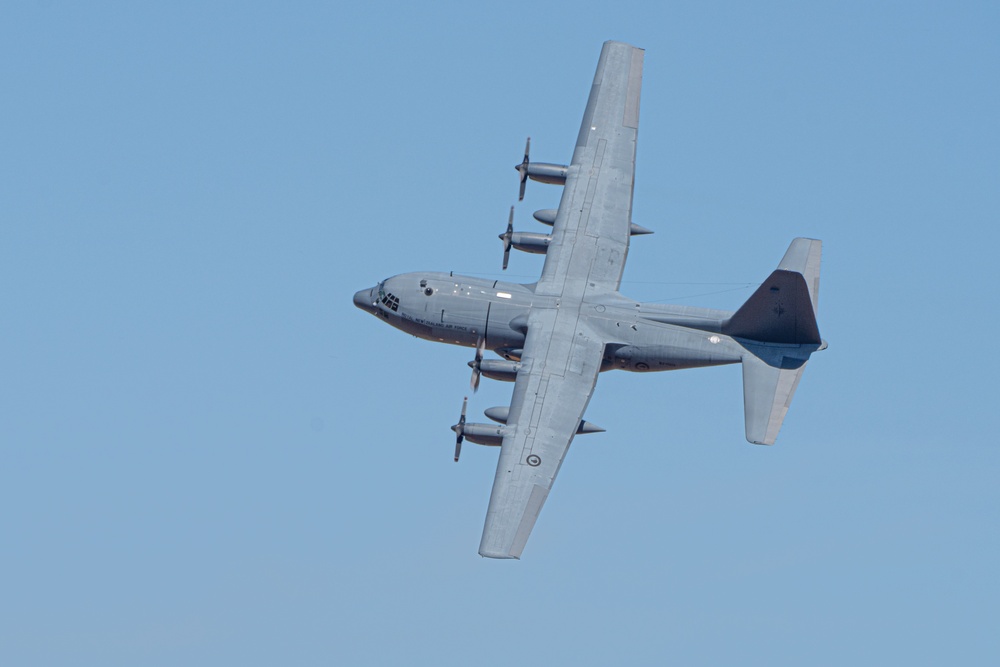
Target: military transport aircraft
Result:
[556, 335]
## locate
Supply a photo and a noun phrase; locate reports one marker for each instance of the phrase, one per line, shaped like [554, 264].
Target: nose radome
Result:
[363, 299]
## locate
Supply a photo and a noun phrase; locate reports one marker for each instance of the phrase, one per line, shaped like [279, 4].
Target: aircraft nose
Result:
[363, 299]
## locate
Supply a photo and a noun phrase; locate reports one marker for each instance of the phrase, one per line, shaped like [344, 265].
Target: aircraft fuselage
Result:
[461, 310]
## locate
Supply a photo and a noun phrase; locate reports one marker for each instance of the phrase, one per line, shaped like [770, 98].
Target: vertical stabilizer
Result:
[783, 308]
[778, 330]
[803, 256]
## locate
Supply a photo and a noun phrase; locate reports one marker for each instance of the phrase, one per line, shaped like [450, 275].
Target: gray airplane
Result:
[556, 335]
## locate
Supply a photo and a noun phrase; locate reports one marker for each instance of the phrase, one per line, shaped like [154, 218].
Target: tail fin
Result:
[778, 330]
[783, 309]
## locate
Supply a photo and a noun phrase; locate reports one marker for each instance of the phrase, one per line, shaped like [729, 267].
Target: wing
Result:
[562, 357]
[559, 369]
[591, 232]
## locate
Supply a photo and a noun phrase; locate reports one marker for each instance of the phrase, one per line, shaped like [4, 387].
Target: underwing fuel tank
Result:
[547, 216]
[499, 415]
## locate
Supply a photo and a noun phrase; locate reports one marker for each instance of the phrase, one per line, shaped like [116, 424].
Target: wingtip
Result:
[498, 555]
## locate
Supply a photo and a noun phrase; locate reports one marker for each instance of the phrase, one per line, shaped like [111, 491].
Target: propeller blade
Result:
[459, 429]
[522, 169]
[475, 364]
[506, 238]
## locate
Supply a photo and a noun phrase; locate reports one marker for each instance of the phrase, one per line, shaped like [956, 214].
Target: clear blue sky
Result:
[208, 456]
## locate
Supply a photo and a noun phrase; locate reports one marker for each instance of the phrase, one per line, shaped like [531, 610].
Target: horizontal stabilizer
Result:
[767, 393]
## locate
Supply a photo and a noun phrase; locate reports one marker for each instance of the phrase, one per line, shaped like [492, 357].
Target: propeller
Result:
[459, 429]
[522, 168]
[475, 364]
[506, 237]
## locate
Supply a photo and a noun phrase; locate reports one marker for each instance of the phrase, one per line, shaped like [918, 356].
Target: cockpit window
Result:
[388, 300]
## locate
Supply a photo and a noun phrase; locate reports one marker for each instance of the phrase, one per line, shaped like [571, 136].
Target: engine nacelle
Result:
[500, 369]
[537, 244]
[547, 173]
[490, 435]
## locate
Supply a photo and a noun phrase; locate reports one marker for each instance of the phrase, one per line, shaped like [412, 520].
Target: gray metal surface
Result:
[782, 317]
[590, 236]
[562, 356]
[558, 334]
